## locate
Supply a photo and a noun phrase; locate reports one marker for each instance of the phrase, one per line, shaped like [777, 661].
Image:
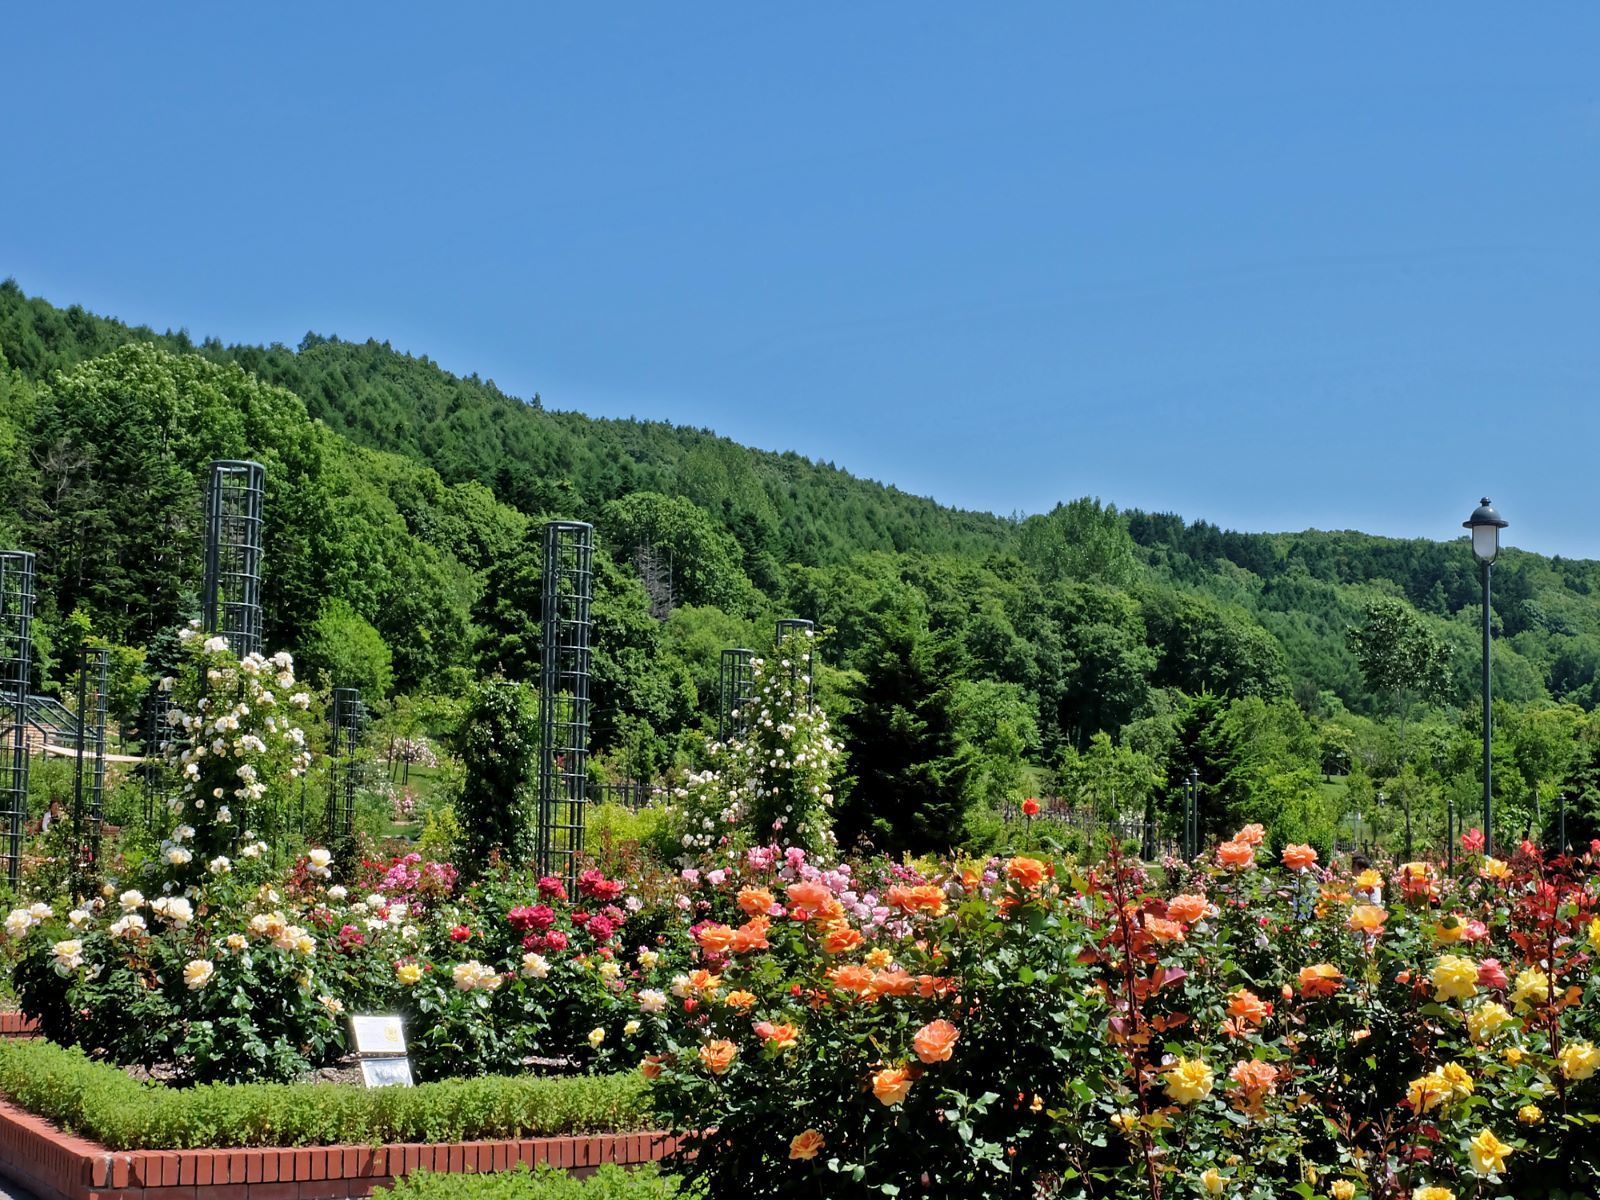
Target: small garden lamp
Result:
[1485, 525]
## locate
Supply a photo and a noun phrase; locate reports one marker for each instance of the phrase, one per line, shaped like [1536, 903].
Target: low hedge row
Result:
[542, 1183]
[102, 1102]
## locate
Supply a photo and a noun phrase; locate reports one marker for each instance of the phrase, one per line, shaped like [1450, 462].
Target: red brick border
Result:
[15, 1025]
[59, 1166]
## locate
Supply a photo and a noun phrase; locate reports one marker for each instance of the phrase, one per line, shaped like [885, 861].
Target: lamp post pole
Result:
[1485, 525]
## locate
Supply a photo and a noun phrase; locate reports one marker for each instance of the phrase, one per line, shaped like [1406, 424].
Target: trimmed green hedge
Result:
[542, 1183]
[102, 1102]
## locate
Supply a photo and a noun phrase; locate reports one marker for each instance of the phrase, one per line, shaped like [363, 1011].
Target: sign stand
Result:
[380, 1043]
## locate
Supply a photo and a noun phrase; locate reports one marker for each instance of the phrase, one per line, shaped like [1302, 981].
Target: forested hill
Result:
[783, 507]
[401, 555]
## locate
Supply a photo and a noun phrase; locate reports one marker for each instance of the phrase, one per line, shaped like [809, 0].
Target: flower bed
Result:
[104, 1103]
[80, 1129]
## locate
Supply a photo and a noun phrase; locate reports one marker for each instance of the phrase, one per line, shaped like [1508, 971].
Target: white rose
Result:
[198, 973]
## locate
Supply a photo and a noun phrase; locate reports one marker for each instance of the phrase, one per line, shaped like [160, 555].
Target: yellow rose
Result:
[1125, 1121]
[1455, 977]
[1579, 1060]
[1433, 1193]
[1457, 1079]
[1342, 1189]
[1488, 1153]
[1532, 987]
[1426, 1092]
[1512, 1055]
[198, 973]
[1485, 1021]
[1213, 1181]
[1529, 1114]
[1189, 1080]
[408, 972]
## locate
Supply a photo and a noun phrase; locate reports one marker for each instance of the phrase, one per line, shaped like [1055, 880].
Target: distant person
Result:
[51, 816]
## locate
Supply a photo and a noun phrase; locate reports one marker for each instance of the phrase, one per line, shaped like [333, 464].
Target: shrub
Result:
[104, 1103]
[544, 1182]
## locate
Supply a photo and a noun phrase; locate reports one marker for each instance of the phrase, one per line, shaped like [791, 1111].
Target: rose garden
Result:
[1257, 1022]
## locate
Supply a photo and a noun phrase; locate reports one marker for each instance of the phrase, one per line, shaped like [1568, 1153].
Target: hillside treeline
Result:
[1099, 653]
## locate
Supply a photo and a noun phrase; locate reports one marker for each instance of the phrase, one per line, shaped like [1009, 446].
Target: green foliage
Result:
[544, 1182]
[343, 650]
[912, 775]
[499, 744]
[103, 1102]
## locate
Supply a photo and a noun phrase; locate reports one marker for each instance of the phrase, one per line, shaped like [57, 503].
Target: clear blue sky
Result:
[1273, 265]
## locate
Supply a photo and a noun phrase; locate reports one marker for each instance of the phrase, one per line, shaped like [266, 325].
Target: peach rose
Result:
[1366, 918]
[852, 977]
[1236, 856]
[1188, 908]
[1027, 873]
[740, 1001]
[891, 1086]
[1299, 858]
[893, 983]
[1253, 1075]
[718, 1056]
[1244, 1005]
[1250, 835]
[784, 1036]
[755, 902]
[704, 981]
[1320, 979]
[809, 897]
[714, 939]
[752, 935]
[935, 1040]
[1163, 930]
[925, 898]
[841, 939]
[650, 1068]
[806, 1145]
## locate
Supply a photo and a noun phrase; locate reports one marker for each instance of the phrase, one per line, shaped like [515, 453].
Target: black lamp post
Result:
[1485, 525]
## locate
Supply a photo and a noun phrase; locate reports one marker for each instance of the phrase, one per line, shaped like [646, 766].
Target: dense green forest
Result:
[1100, 653]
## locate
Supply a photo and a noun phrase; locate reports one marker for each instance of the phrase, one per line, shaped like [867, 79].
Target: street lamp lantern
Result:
[1485, 525]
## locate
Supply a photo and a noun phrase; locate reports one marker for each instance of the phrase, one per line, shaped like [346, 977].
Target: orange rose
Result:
[718, 1056]
[971, 879]
[1163, 930]
[740, 1001]
[752, 935]
[1250, 835]
[806, 1145]
[650, 1068]
[1320, 979]
[714, 939]
[1244, 1005]
[1298, 858]
[925, 897]
[852, 977]
[935, 1040]
[1236, 856]
[891, 1086]
[841, 939]
[704, 981]
[783, 1037]
[1026, 873]
[1188, 908]
[755, 902]
[1366, 918]
[893, 983]
[808, 897]
[1253, 1075]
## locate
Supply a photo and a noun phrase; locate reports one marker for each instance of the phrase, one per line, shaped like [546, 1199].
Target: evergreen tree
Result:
[912, 775]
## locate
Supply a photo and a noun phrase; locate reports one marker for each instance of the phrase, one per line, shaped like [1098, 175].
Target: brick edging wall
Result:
[16, 1025]
[60, 1166]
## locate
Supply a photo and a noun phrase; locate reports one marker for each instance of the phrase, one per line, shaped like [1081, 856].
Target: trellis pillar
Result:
[16, 672]
[231, 592]
[735, 687]
[564, 696]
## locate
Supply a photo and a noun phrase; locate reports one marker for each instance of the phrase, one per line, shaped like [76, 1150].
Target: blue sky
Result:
[1272, 265]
